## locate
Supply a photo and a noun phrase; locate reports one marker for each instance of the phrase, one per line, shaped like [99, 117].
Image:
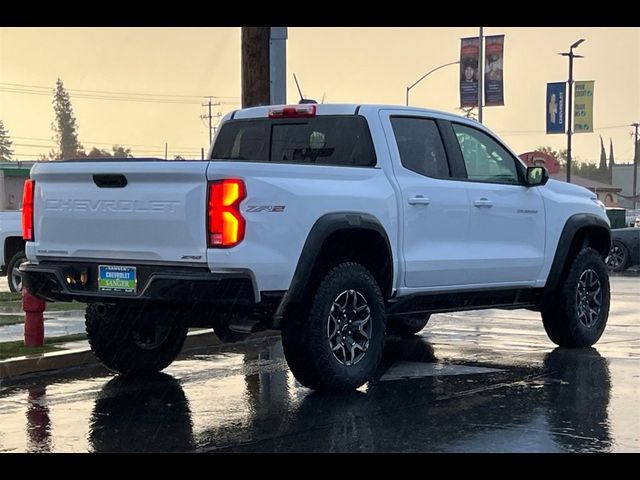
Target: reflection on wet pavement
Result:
[478, 381]
[560, 405]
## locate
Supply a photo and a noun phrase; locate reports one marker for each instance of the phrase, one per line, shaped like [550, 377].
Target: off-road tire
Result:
[306, 337]
[116, 338]
[562, 315]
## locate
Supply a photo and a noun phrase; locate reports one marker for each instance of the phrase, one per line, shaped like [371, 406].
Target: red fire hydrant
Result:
[33, 308]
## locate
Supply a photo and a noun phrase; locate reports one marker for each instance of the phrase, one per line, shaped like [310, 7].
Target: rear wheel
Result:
[337, 346]
[578, 313]
[132, 339]
[13, 274]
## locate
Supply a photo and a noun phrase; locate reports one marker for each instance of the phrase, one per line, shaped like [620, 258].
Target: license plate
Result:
[114, 278]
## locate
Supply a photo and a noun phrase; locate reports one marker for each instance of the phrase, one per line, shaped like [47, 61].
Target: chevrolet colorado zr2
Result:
[337, 224]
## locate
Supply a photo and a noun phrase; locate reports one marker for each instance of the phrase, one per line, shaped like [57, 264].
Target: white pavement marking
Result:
[405, 370]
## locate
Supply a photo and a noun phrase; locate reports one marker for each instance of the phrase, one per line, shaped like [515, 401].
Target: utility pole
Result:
[255, 66]
[635, 166]
[209, 117]
[278, 65]
[166, 147]
[569, 110]
[480, 74]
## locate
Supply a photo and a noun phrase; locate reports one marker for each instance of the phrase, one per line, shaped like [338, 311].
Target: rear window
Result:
[326, 140]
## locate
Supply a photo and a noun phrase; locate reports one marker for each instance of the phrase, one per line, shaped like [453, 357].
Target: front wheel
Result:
[133, 340]
[618, 258]
[338, 345]
[578, 313]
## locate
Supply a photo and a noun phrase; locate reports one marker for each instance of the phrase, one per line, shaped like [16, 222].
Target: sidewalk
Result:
[629, 272]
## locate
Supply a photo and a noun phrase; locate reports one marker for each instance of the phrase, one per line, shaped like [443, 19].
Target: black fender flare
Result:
[571, 227]
[321, 230]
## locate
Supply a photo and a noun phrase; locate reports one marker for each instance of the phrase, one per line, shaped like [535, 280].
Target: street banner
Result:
[493, 69]
[556, 105]
[469, 55]
[583, 110]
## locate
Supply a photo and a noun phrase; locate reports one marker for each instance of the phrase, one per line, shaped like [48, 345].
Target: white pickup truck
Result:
[335, 223]
[12, 244]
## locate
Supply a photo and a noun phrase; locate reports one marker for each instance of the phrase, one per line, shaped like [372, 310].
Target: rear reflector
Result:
[293, 111]
[27, 210]
[226, 224]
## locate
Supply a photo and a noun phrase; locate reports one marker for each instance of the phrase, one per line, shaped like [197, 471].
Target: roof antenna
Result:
[302, 99]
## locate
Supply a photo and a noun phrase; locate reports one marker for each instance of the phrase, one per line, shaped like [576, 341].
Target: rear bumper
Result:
[177, 285]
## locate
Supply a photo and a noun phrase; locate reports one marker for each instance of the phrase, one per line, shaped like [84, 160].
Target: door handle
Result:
[418, 200]
[483, 202]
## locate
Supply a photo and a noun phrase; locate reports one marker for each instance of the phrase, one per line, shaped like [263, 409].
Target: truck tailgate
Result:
[84, 210]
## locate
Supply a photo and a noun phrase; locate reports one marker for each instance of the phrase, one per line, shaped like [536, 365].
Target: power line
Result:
[26, 154]
[31, 145]
[112, 98]
[50, 89]
[536, 132]
[90, 142]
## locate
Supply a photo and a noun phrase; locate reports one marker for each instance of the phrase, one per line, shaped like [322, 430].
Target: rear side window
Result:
[420, 146]
[242, 140]
[325, 140]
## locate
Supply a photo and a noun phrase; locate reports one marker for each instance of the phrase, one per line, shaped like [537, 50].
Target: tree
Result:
[603, 160]
[470, 113]
[611, 161]
[588, 170]
[560, 156]
[121, 152]
[96, 153]
[5, 144]
[65, 127]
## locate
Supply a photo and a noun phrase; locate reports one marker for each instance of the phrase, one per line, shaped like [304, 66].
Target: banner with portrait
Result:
[493, 70]
[469, 55]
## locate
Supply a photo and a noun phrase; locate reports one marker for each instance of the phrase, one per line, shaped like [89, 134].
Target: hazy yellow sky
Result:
[361, 65]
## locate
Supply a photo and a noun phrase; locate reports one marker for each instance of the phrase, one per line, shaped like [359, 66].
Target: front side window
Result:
[485, 159]
[420, 146]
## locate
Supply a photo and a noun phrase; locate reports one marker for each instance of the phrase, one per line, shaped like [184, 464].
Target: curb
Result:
[632, 272]
[75, 357]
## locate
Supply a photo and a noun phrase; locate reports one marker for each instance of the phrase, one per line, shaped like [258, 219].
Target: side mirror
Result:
[536, 176]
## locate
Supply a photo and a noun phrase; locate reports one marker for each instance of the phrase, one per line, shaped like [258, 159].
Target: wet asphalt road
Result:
[470, 382]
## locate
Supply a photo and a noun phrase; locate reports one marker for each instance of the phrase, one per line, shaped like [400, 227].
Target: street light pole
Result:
[635, 166]
[425, 76]
[480, 74]
[571, 56]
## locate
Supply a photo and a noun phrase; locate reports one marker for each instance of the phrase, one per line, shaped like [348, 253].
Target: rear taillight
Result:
[293, 111]
[27, 209]
[226, 224]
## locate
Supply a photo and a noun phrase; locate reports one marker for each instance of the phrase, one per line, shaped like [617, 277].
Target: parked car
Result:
[632, 218]
[12, 255]
[617, 217]
[625, 249]
[333, 223]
